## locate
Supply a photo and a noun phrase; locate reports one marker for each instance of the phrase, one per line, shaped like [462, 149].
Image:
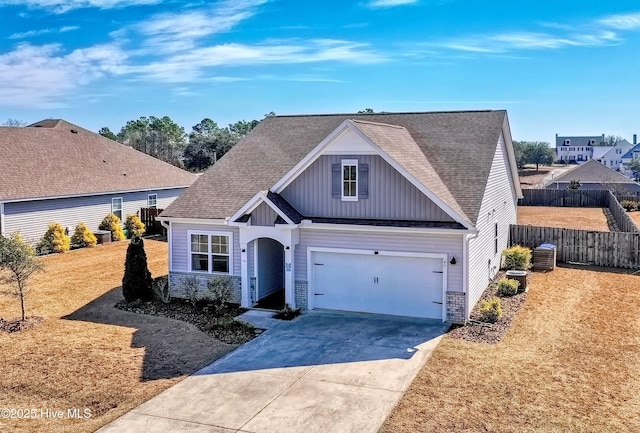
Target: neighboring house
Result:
[403, 214]
[54, 171]
[612, 158]
[594, 175]
[572, 150]
[633, 153]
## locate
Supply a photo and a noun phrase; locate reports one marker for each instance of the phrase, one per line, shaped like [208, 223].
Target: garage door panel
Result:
[383, 284]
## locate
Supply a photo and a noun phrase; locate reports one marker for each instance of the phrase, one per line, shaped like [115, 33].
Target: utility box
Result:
[520, 277]
[544, 257]
[103, 236]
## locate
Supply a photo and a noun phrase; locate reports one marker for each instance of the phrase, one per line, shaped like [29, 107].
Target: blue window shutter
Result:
[363, 181]
[336, 181]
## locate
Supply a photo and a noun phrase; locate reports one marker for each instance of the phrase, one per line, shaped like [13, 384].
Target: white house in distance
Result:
[572, 150]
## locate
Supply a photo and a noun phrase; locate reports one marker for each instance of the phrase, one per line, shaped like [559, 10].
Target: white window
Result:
[210, 252]
[116, 207]
[152, 201]
[349, 180]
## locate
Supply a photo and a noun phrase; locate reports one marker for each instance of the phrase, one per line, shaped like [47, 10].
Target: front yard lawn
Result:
[87, 354]
[580, 218]
[569, 363]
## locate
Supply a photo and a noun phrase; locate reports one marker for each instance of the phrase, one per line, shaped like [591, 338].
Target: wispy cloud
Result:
[622, 21]
[39, 76]
[62, 6]
[389, 3]
[195, 64]
[32, 33]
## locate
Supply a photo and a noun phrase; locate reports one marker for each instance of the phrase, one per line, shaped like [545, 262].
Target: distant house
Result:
[54, 171]
[396, 213]
[576, 150]
[613, 155]
[594, 175]
[633, 153]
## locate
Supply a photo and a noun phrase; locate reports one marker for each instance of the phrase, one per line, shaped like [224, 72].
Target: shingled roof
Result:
[55, 158]
[592, 172]
[450, 152]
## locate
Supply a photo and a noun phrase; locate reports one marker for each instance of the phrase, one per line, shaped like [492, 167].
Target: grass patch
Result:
[582, 218]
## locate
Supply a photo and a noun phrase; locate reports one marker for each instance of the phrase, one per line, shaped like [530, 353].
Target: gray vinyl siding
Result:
[180, 244]
[409, 242]
[251, 259]
[31, 218]
[499, 205]
[263, 215]
[391, 195]
[270, 267]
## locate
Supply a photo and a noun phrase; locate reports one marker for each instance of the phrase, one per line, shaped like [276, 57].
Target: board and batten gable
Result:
[390, 194]
[499, 206]
[263, 215]
[450, 244]
[31, 218]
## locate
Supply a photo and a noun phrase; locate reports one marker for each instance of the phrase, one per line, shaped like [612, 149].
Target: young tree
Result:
[612, 140]
[519, 148]
[538, 152]
[17, 264]
[14, 123]
[634, 166]
[137, 282]
[574, 184]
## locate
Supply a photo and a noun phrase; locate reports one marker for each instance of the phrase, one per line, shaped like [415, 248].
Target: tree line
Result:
[164, 139]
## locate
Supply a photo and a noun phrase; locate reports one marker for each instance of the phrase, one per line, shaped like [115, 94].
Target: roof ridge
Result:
[368, 122]
[390, 113]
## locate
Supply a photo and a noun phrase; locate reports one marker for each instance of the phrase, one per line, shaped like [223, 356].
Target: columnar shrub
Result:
[517, 258]
[134, 226]
[83, 236]
[112, 223]
[508, 287]
[54, 240]
[491, 310]
[137, 282]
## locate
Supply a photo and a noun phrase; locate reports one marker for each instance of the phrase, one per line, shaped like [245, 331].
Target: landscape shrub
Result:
[630, 205]
[54, 240]
[134, 226]
[508, 287]
[220, 289]
[137, 282]
[287, 313]
[491, 310]
[161, 289]
[191, 289]
[112, 223]
[83, 237]
[517, 258]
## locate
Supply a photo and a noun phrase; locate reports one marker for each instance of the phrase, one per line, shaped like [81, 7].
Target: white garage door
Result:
[385, 284]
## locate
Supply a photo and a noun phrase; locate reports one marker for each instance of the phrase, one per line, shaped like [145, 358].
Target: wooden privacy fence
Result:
[608, 249]
[578, 198]
[148, 217]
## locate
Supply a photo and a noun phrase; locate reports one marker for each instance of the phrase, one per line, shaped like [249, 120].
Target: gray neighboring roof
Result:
[592, 171]
[631, 151]
[460, 147]
[55, 158]
[580, 140]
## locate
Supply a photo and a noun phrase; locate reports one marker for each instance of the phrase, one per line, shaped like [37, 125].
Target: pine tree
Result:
[137, 281]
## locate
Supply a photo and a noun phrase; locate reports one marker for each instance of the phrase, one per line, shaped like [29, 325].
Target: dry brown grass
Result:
[99, 358]
[569, 363]
[635, 216]
[581, 218]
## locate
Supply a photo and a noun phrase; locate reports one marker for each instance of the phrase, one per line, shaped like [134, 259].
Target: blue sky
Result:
[569, 66]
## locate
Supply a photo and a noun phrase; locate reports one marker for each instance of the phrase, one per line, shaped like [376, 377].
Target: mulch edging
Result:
[19, 325]
[491, 333]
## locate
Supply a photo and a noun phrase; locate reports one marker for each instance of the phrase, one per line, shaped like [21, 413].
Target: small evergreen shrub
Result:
[83, 237]
[508, 287]
[220, 289]
[137, 282]
[54, 240]
[517, 258]
[491, 310]
[161, 289]
[287, 313]
[191, 289]
[112, 223]
[134, 226]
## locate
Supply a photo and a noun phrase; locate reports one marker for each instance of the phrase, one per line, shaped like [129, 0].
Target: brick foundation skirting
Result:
[176, 280]
[456, 302]
[302, 294]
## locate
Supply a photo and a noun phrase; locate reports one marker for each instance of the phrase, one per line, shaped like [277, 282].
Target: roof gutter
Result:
[89, 194]
[214, 221]
[308, 224]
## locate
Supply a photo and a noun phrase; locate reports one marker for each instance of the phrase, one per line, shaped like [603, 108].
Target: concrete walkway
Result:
[323, 372]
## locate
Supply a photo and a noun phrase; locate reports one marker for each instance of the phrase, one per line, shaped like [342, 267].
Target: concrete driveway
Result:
[323, 372]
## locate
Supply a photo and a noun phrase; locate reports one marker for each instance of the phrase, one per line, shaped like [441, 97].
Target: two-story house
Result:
[576, 150]
[398, 213]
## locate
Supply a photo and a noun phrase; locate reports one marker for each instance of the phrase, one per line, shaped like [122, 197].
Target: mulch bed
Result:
[19, 325]
[225, 329]
[491, 333]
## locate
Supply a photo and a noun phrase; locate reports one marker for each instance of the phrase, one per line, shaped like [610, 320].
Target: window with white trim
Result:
[349, 179]
[152, 201]
[116, 207]
[210, 252]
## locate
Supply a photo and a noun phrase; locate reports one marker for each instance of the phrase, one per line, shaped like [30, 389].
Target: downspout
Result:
[1, 219]
[465, 271]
